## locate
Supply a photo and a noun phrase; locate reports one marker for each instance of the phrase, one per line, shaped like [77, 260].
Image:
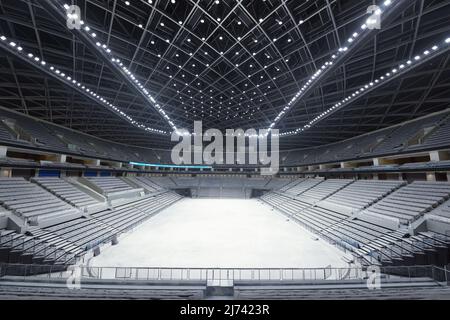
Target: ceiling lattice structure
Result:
[232, 64]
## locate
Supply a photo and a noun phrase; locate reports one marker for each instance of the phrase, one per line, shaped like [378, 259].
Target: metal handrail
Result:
[231, 274]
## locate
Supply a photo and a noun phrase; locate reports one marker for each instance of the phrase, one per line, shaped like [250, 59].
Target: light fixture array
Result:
[433, 51]
[242, 113]
[70, 81]
[167, 40]
[128, 73]
[365, 27]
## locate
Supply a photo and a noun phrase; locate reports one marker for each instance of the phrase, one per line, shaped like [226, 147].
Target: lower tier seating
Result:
[32, 202]
[13, 288]
[110, 184]
[28, 248]
[304, 186]
[412, 201]
[146, 183]
[285, 204]
[63, 243]
[419, 289]
[357, 231]
[291, 184]
[327, 188]
[399, 248]
[104, 225]
[67, 191]
[363, 193]
[443, 210]
[364, 216]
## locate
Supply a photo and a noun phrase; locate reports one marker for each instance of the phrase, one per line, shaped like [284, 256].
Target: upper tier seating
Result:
[411, 201]
[163, 156]
[398, 138]
[67, 191]
[326, 188]
[110, 184]
[384, 141]
[363, 193]
[359, 146]
[303, 186]
[5, 135]
[74, 141]
[426, 132]
[440, 136]
[35, 132]
[30, 201]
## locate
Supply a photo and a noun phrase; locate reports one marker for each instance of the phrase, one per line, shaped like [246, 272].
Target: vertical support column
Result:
[3, 151]
[438, 156]
[346, 165]
[62, 158]
[6, 173]
[117, 165]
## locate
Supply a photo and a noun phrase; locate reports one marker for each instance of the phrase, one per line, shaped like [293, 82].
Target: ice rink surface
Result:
[220, 233]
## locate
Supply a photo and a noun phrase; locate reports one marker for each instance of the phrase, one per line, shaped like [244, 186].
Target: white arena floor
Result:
[220, 233]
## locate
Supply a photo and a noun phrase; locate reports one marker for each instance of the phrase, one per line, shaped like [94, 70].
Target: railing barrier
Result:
[311, 275]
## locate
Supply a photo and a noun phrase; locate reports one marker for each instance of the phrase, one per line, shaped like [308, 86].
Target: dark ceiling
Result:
[232, 64]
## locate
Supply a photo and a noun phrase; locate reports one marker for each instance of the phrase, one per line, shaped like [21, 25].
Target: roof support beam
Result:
[57, 11]
[11, 51]
[374, 86]
[387, 18]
